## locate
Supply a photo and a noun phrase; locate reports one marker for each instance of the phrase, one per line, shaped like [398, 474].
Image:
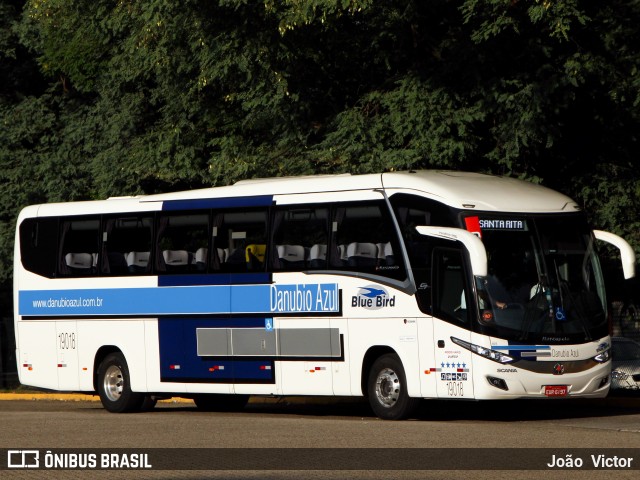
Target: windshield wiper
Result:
[564, 289]
[538, 303]
[577, 307]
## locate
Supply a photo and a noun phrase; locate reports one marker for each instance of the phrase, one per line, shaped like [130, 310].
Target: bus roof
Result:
[464, 190]
[479, 191]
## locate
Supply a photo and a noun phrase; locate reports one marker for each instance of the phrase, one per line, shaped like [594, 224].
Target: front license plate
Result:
[555, 390]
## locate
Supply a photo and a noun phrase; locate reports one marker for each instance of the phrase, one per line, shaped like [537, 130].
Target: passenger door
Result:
[451, 318]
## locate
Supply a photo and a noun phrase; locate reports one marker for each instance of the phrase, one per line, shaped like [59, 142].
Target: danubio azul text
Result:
[304, 298]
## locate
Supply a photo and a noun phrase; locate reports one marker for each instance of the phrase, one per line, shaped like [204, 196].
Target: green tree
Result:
[122, 97]
[113, 97]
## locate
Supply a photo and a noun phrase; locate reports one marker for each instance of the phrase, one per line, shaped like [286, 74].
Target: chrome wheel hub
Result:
[113, 383]
[387, 387]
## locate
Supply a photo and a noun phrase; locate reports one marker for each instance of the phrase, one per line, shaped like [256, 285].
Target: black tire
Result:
[387, 389]
[214, 402]
[114, 386]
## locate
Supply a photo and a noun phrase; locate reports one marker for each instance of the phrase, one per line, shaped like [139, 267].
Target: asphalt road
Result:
[342, 425]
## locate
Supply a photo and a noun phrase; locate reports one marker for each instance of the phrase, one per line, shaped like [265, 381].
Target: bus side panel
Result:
[128, 336]
[341, 371]
[454, 364]
[209, 355]
[428, 369]
[305, 378]
[67, 355]
[306, 338]
[152, 348]
[399, 334]
[37, 356]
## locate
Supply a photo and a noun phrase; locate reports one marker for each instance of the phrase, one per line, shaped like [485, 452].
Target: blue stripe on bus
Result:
[520, 347]
[214, 279]
[528, 352]
[182, 300]
[206, 203]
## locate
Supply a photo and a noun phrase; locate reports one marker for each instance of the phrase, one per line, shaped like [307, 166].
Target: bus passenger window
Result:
[127, 245]
[240, 241]
[300, 236]
[365, 240]
[183, 243]
[38, 245]
[80, 244]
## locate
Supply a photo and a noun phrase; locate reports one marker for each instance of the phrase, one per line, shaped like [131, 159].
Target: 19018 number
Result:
[67, 341]
[455, 389]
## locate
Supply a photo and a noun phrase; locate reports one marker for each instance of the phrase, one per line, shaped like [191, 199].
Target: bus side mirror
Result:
[627, 255]
[471, 242]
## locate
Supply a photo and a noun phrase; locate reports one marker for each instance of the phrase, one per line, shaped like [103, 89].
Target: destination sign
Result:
[503, 224]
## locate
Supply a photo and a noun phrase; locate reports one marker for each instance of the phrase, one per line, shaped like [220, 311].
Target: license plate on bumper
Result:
[556, 390]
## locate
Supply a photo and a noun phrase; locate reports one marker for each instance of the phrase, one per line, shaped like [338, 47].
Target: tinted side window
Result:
[239, 241]
[450, 293]
[38, 245]
[300, 238]
[79, 246]
[127, 245]
[365, 240]
[183, 243]
[412, 211]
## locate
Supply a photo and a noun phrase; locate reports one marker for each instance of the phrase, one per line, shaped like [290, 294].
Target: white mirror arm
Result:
[627, 255]
[472, 243]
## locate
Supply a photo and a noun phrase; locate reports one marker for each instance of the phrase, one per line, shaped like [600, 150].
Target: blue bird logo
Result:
[372, 292]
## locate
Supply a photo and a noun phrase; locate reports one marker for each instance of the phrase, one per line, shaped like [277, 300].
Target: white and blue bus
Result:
[394, 286]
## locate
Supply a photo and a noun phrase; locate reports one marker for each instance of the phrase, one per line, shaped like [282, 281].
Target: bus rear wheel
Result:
[114, 386]
[387, 389]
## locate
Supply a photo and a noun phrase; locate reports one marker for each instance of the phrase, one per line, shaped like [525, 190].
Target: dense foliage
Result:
[112, 97]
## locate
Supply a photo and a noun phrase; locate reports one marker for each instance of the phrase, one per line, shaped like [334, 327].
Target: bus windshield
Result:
[544, 281]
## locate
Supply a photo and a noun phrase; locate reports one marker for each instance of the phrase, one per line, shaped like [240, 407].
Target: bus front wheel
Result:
[114, 385]
[387, 389]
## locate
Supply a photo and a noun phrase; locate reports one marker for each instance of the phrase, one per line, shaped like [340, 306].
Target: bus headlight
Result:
[603, 357]
[483, 352]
